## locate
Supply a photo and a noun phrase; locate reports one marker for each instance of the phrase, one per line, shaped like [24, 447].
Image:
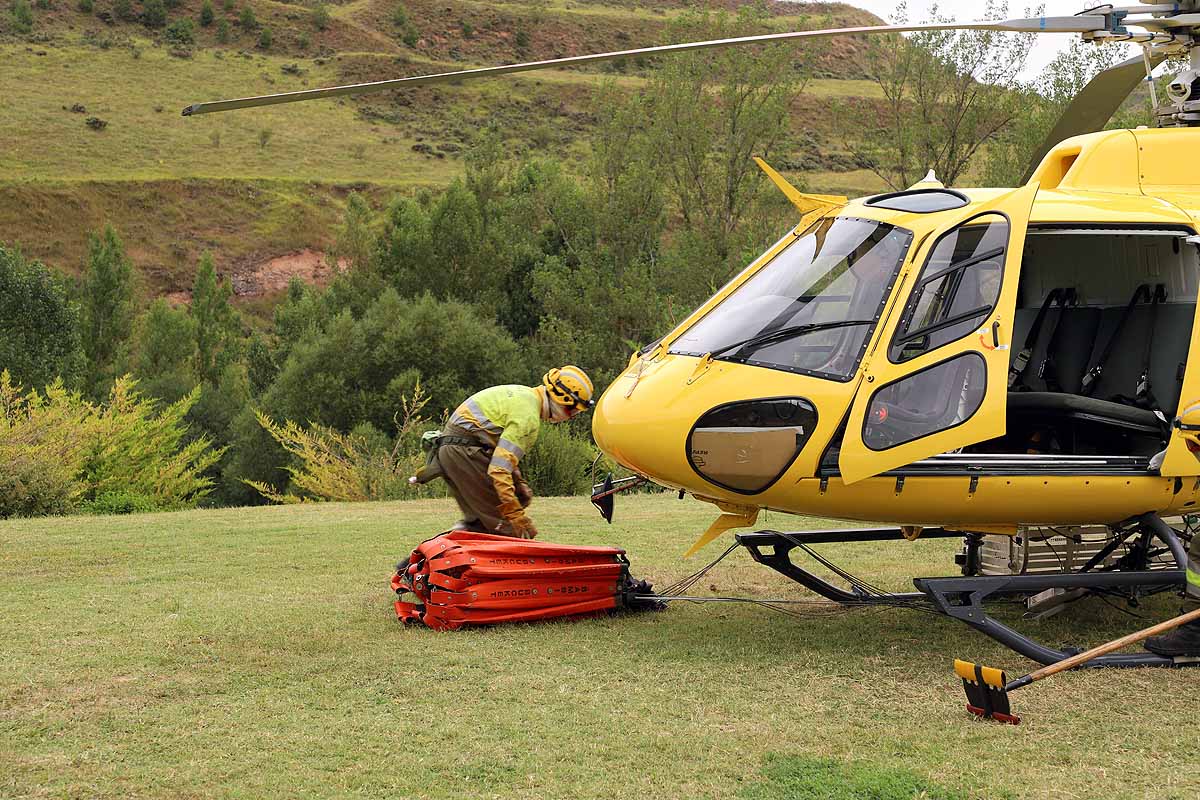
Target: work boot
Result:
[1183, 641]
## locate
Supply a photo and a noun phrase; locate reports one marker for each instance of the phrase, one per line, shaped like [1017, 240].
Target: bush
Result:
[86, 6]
[181, 31]
[521, 39]
[57, 449]
[265, 39]
[410, 37]
[400, 16]
[123, 9]
[120, 503]
[44, 5]
[559, 462]
[154, 14]
[320, 16]
[207, 15]
[223, 31]
[22, 16]
[247, 19]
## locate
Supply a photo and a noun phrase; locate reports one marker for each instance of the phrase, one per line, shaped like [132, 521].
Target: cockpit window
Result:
[812, 308]
[956, 290]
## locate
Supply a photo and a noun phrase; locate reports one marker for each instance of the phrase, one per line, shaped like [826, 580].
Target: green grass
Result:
[253, 653]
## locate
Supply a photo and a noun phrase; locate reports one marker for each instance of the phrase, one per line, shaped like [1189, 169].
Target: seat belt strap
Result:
[1143, 394]
[1088, 384]
[1068, 297]
[1022, 359]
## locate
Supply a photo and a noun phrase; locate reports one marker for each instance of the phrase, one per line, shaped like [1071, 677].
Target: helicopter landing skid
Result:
[963, 598]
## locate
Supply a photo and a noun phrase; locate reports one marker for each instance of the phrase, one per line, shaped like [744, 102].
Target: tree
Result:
[356, 370]
[154, 13]
[1043, 102]
[107, 309]
[207, 15]
[946, 94]
[166, 352]
[39, 325]
[218, 328]
[710, 112]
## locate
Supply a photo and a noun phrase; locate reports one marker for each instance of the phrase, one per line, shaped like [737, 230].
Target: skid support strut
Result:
[963, 598]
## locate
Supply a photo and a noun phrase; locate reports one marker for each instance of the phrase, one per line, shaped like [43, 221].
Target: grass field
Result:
[253, 653]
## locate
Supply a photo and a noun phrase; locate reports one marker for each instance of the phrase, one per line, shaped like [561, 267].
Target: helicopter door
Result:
[937, 378]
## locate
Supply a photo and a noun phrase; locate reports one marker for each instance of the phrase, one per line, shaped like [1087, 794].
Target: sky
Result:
[1044, 48]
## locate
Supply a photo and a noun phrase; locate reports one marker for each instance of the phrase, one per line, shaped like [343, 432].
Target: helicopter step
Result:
[1154, 561]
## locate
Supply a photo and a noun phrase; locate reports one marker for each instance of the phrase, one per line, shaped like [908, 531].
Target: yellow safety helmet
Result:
[570, 387]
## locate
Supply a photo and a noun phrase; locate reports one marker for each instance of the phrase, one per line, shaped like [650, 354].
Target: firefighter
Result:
[1184, 640]
[481, 447]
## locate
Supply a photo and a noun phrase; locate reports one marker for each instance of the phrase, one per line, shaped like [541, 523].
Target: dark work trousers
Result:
[465, 471]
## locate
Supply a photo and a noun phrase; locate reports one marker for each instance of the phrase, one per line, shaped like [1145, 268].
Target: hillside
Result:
[90, 130]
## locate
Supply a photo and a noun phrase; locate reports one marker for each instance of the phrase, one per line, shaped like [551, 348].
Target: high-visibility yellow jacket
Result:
[508, 419]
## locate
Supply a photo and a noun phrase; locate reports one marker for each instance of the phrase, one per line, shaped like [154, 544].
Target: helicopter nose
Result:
[641, 423]
[712, 428]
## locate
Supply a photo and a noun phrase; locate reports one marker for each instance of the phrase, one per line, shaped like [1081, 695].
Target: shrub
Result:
[181, 31]
[521, 39]
[265, 39]
[247, 19]
[400, 16]
[134, 447]
[57, 449]
[207, 15]
[22, 16]
[223, 31]
[358, 466]
[558, 463]
[123, 9]
[120, 503]
[154, 14]
[468, 30]
[44, 5]
[303, 42]
[410, 37]
[320, 16]
[86, 6]
[40, 454]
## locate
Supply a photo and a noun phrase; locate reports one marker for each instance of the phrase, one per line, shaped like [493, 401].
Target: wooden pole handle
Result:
[1116, 644]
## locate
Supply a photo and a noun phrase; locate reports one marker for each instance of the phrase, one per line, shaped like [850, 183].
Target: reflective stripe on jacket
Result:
[508, 419]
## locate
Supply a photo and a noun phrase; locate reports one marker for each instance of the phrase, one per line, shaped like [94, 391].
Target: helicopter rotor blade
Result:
[1083, 23]
[1094, 106]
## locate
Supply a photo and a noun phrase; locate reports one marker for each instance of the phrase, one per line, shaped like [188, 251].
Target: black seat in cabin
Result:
[1075, 378]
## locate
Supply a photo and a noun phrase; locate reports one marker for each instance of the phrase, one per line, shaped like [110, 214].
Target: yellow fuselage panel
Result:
[646, 429]
[1018, 499]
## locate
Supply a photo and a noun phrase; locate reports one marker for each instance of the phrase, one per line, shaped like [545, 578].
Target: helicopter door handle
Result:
[996, 333]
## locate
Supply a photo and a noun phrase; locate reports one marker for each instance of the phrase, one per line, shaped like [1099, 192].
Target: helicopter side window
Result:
[957, 288]
[934, 399]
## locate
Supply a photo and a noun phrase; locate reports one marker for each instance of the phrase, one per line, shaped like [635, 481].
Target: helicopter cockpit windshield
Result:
[812, 308]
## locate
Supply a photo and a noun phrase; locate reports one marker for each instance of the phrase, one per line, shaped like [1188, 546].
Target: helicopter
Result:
[1013, 367]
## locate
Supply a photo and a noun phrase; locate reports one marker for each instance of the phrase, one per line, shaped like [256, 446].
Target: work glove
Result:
[523, 527]
[524, 494]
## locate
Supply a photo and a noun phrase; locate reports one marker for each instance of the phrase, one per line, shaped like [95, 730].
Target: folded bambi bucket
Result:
[466, 578]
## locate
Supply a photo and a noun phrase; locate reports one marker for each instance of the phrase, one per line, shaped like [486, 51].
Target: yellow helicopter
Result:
[976, 363]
